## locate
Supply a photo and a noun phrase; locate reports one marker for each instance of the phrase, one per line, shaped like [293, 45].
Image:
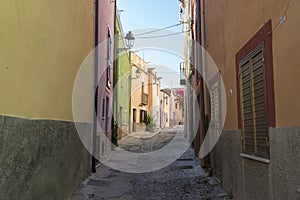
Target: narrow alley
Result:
[183, 179]
[149, 100]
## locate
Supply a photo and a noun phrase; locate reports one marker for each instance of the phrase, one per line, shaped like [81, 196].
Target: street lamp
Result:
[137, 73]
[129, 40]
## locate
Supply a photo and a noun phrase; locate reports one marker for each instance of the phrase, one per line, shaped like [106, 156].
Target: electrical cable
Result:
[156, 30]
[284, 15]
[160, 36]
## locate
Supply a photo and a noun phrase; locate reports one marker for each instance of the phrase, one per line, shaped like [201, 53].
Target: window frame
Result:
[263, 36]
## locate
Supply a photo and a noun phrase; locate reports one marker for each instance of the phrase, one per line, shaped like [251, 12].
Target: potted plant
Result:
[150, 124]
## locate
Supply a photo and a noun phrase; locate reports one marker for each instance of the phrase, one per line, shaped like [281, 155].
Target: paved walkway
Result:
[183, 179]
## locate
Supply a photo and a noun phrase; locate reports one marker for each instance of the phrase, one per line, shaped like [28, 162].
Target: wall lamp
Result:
[137, 74]
[129, 40]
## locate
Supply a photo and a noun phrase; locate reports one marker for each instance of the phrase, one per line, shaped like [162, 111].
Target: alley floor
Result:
[183, 179]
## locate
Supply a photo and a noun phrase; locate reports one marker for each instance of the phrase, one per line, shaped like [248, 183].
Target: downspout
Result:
[129, 89]
[202, 85]
[94, 128]
[114, 133]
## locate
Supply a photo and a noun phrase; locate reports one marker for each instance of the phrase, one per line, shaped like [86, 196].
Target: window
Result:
[143, 116]
[143, 88]
[253, 102]
[215, 106]
[255, 87]
[109, 58]
[103, 108]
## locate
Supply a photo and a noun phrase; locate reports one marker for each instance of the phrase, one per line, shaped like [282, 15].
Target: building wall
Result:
[122, 90]
[165, 115]
[40, 56]
[178, 113]
[42, 45]
[229, 26]
[136, 88]
[156, 103]
[227, 32]
[154, 97]
[105, 90]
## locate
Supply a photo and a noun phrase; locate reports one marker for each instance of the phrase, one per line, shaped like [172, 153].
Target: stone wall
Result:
[250, 179]
[40, 159]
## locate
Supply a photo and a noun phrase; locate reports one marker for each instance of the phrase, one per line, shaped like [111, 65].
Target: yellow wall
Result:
[230, 24]
[42, 44]
[136, 84]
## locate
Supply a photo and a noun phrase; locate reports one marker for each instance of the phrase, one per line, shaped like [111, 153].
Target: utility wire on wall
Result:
[283, 17]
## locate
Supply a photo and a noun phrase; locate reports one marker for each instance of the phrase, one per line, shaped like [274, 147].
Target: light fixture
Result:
[137, 73]
[129, 39]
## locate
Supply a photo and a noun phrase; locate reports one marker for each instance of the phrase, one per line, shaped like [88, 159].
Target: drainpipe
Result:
[114, 138]
[129, 91]
[94, 128]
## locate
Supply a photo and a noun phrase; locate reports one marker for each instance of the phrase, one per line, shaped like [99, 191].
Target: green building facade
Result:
[122, 88]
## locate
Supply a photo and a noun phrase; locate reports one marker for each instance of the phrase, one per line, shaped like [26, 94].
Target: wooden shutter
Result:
[215, 104]
[254, 104]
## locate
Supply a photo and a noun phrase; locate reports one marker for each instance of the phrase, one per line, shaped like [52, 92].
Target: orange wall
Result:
[230, 24]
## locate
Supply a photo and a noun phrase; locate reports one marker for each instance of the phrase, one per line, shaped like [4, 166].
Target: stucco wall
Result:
[106, 24]
[136, 84]
[123, 88]
[249, 179]
[40, 159]
[42, 44]
[230, 24]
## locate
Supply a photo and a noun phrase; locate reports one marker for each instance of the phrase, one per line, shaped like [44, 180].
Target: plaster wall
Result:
[42, 45]
[250, 179]
[230, 24]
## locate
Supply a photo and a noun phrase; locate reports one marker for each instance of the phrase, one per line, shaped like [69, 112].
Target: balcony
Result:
[144, 99]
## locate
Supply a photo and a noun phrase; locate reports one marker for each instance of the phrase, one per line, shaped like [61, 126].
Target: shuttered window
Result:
[215, 111]
[253, 102]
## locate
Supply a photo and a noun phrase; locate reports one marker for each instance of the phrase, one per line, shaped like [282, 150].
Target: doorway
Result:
[134, 120]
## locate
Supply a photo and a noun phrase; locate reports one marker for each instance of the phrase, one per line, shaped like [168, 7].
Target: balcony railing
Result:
[144, 99]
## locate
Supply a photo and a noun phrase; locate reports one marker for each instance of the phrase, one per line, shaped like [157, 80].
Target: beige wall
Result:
[166, 109]
[42, 44]
[136, 84]
[230, 24]
[178, 112]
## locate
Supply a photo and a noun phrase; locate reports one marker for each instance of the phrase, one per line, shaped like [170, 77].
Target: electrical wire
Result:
[160, 36]
[156, 30]
[284, 14]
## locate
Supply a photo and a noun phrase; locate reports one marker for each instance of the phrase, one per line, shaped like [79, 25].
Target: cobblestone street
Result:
[183, 179]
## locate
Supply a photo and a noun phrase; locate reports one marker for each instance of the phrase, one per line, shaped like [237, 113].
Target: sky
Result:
[141, 16]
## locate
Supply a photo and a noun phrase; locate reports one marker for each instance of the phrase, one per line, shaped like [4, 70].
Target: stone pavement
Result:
[183, 179]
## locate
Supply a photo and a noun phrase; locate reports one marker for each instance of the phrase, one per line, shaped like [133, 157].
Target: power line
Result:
[160, 36]
[156, 30]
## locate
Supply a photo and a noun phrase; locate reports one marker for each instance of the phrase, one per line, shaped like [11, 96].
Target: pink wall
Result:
[106, 22]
